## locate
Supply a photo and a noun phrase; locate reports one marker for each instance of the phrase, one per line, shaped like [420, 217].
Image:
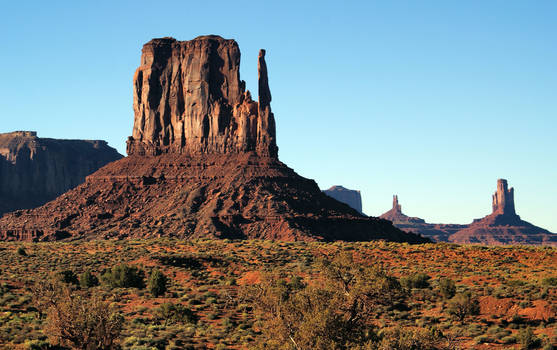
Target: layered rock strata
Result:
[36, 170]
[352, 198]
[203, 162]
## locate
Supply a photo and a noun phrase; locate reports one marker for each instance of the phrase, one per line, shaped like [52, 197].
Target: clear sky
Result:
[431, 100]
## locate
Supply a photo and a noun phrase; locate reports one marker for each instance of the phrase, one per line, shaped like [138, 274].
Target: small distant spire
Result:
[396, 206]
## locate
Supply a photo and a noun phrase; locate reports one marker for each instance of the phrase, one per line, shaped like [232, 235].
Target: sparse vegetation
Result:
[206, 303]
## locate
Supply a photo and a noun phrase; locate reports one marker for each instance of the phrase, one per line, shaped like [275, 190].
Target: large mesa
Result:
[202, 162]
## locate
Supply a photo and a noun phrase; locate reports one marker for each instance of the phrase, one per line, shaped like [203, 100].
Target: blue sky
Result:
[431, 100]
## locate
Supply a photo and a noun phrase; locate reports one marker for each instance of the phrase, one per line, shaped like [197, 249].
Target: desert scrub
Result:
[124, 276]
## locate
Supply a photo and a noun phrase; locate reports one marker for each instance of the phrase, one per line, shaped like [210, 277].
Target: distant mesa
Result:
[36, 170]
[202, 162]
[503, 226]
[437, 232]
[344, 195]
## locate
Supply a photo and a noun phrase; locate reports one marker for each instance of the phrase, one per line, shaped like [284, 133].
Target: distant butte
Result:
[202, 162]
[503, 226]
[437, 232]
[344, 195]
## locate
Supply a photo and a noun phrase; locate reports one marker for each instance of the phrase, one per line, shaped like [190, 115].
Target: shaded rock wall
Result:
[36, 170]
[344, 195]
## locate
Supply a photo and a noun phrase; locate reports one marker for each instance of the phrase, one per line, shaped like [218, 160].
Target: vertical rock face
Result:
[344, 195]
[35, 170]
[503, 199]
[189, 99]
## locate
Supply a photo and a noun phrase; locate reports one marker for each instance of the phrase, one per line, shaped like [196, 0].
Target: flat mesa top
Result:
[171, 40]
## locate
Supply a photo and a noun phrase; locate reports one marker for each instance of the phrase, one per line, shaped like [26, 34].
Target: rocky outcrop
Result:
[36, 170]
[437, 232]
[344, 195]
[189, 99]
[396, 216]
[503, 226]
[203, 162]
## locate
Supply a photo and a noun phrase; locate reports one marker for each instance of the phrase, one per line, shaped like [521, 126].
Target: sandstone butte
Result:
[502, 227]
[35, 170]
[202, 162]
[351, 197]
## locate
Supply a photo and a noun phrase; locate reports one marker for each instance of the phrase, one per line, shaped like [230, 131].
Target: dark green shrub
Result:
[175, 313]
[68, 277]
[527, 339]
[550, 281]
[88, 280]
[124, 276]
[21, 251]
[157, 283]
[447, 288]
[418, 280]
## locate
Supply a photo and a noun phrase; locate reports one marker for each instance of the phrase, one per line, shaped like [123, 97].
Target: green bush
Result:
[124, 276]
[447, 288]
[88, 280]
[175, 313]
[418, 280]
[21, 251]
[68, 277]
[527, 339]
[157, 283]
[463, 305]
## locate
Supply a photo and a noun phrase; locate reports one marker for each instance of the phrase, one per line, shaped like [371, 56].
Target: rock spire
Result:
[503, 199]
[396, 207]
[189, 99]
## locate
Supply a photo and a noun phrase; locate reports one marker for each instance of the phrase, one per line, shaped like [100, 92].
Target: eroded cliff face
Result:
[189, 99]
[36, 170]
